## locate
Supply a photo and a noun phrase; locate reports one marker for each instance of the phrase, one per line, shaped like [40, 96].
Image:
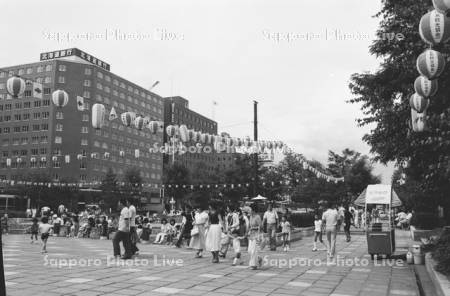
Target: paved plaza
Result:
[164, 270]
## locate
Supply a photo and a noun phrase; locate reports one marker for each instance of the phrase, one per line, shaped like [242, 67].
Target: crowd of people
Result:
[215, 229]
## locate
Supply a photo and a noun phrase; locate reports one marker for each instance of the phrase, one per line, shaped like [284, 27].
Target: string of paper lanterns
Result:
[434, 29]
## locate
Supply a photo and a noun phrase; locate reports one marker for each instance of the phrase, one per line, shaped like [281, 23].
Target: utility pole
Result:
[255, 155]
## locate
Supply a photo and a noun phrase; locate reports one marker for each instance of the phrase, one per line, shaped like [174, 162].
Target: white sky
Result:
[222, 52]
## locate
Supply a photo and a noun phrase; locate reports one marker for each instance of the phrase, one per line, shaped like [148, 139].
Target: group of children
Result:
[168, 233]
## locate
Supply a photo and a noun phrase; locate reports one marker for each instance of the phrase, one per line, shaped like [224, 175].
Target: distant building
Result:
[177, 112]
[44, 137]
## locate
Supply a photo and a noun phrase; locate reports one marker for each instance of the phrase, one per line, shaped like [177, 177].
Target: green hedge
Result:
[441, 253]
[302, 219]
[425, 220]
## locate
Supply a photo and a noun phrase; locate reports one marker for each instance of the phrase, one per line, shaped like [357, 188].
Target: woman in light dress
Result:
[254, 230]
[198, 239]
[214, 233]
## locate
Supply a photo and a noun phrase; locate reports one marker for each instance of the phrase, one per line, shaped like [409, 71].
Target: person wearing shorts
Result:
[44, 230]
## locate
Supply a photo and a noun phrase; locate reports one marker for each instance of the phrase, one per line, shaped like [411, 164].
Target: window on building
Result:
[29, 70]
[37, 104]
[84, 142]
[27, 94]
[34, 151]
[26, 116]
[47, 90]
[36, 115]
[45, 114]
[6, 130]
[48, 79]
[87, 83]
[25, 128]
[44, 126]
[84, 130]
[48, 68]
[17, 117]
[62, 68]
[59, 127]
[58, 140]
[43, 151]
[35, 140]
[86, 94]
[8, 107]
[40, 69]
[46, 102]
[87, 71]
[59, 115]
[27, 105]
[44, 139]
[36, 127]
[85, 117]
[61, 79]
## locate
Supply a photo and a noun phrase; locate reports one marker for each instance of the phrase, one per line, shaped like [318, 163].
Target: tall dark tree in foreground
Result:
[384, 98]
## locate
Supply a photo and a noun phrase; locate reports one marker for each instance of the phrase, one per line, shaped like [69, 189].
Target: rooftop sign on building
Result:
[74, 52]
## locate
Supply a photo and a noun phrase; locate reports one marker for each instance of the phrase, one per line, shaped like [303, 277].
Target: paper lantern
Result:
[43, 159]
[79, 157]
[15, 86]
[128, 118]
[421, 123]
[202, 138]
[172, 130]
[54, 158]
[425, 87]
[8, 162]
[196, 137]
[136, 153]
[418, 103]
[106, 155]
[442, 6]
[139, 122]
[153, 126]
[146, 121]
[430, 63]
[60, 98]
[98, 116]
[184, 133]
[434, 28]
[67, 158]
[33, 159]
[121, 153]
[19, 160]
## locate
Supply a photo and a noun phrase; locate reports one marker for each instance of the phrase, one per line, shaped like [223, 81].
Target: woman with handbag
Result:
[198, 232]
[254, 237]
[213, 237]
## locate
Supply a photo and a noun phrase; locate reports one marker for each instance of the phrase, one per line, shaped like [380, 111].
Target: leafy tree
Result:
[178, 174]
[133, 180]
[384, 98]
[110, 189]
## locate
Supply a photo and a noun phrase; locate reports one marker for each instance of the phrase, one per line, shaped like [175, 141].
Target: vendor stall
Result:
[378, 201]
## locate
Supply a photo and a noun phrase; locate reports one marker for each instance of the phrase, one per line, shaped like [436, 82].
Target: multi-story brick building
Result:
[34, 130]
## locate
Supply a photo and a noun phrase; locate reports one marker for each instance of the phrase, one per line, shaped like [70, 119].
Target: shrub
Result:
[302, 219]
[441, 253]
[425, 220]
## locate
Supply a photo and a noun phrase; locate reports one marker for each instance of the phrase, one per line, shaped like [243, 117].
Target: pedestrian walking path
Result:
[85, 267]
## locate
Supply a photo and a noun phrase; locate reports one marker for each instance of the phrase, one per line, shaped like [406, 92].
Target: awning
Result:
[378, 194]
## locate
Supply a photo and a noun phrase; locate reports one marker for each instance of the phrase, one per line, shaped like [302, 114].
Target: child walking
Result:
[285, 232]
[317, 232]
[34, 230]
[44, 229]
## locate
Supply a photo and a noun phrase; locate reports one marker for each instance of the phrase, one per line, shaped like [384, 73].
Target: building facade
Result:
[60, 141]
[177, 112]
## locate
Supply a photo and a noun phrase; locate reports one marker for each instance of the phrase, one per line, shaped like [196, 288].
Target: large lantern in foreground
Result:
[430, 63]
[418, 103]
[139, 123]
[60, 98]
[15, 86]
[434, 28]
[98, 116]
[425, 87]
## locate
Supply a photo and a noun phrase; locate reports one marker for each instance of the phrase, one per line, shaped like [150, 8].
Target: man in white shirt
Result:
[123, 232]
[271, 218]
[330, 219]
[133, 235]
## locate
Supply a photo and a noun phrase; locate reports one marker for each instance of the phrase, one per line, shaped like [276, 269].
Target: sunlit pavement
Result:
[163, 270]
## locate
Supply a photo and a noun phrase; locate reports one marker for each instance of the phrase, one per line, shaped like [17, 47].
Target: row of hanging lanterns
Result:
[16, 85]
[190, 135]
[434, 29]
